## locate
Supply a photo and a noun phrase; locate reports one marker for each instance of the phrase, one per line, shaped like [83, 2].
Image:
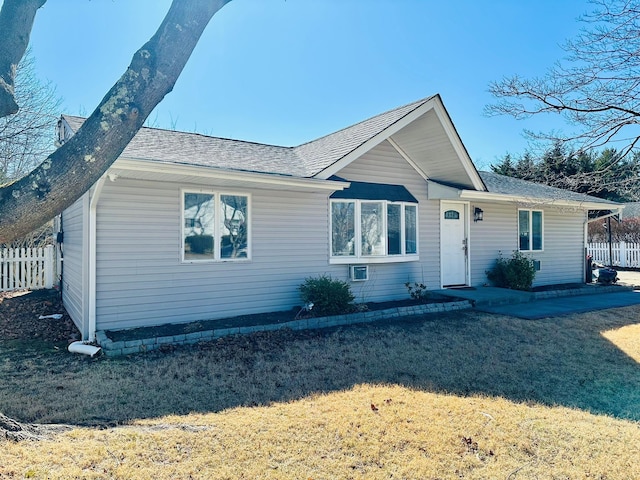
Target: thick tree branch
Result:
[16, 21]
[71, 170]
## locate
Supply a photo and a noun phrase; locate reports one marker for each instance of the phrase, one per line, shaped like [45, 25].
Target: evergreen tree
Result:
[606, 174]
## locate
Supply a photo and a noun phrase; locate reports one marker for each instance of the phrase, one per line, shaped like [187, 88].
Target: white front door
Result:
[453, 243]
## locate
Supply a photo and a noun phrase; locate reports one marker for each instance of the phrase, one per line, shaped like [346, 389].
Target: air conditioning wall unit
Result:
[359, 273]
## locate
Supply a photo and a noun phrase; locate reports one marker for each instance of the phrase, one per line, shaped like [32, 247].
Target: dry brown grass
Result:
[464, 395]
[627, 339]
[412, 434]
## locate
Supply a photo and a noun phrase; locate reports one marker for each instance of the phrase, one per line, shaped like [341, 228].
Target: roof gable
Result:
[325, 152]
[422, 132]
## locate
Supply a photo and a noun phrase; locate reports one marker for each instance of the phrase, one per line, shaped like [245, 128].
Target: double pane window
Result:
[215, 226]
[530, 230]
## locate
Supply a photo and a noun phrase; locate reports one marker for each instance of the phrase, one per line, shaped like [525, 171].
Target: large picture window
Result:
[373, 230]
[530, 230]
[215, 226]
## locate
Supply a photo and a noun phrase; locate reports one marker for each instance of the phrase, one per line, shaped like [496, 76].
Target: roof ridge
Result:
[182, 132]
[417, 104]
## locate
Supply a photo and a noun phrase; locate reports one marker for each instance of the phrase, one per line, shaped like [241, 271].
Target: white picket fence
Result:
[623, 254]
[27, 268]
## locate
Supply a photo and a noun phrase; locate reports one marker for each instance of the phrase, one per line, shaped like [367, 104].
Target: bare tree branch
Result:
[71, 170]
[597, 86]
[25, 136]
[16, 21]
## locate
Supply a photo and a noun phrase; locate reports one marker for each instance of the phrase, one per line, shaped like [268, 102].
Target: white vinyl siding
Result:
[74, 273]
[562, 259]
[141, 279]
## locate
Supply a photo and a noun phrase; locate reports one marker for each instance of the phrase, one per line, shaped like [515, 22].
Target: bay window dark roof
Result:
[374, 191]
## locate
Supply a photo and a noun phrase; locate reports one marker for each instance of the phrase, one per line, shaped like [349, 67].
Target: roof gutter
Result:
[142, 165]
[500, 197]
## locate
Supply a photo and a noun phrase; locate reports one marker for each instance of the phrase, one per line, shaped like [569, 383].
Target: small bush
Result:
[329, 296]
[417, 291]
[516, 273]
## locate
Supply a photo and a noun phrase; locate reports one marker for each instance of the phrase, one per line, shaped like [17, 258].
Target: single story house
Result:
[186, 227]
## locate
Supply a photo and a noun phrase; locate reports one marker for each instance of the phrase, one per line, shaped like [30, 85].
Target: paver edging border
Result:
[114, 349]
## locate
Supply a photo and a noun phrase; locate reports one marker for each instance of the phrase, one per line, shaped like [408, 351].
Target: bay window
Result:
[373, 230]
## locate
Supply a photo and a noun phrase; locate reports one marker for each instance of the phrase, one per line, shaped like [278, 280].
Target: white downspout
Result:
[92, 257]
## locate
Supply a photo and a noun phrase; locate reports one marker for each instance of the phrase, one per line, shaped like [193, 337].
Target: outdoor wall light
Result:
[477, 214]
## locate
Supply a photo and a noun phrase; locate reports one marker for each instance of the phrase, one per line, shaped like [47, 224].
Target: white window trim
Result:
[217, 237]
[386, 258]
[531, 210]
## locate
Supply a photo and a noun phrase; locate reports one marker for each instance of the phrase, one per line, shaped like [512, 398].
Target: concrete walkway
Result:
[554, 307]
[552, 303]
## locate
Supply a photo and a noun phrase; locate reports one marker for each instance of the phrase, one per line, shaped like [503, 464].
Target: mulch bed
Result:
[20, 312]
[269, 318]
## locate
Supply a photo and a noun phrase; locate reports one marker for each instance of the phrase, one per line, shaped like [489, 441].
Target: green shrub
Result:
[516, 273]
[417, 291]
[329, 296]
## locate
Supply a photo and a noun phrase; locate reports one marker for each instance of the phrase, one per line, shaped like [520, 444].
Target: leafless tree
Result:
[26, 136]
[67, 173]
[625, 230]
[596, 88]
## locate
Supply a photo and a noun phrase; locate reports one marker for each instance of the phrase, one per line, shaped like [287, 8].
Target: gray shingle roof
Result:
[631, 210]
[502, 184]
[303, 161]
[201, 150]
[323, 152]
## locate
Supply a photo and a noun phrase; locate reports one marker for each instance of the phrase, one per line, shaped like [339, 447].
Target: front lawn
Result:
[462, 395]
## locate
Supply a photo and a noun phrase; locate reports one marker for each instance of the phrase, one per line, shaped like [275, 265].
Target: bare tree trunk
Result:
[71, 170]
[16, 21]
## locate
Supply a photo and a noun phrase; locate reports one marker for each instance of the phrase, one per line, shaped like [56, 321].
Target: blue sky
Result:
[287, 71]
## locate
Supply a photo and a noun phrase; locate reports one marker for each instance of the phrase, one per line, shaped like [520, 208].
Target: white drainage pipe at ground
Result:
[84, 348]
